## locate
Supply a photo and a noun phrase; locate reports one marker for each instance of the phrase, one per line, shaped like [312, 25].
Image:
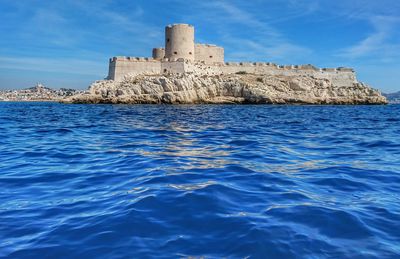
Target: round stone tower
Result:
[179, 41]
[158, 53]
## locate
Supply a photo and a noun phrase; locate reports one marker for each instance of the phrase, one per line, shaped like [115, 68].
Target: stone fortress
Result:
[184, 72]
[182, 55]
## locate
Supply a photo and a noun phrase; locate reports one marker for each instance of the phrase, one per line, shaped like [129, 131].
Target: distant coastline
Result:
[393, 98]
[38, 93]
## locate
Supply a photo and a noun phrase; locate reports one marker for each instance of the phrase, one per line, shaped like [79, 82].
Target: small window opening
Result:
[168, 40]
[211, 56]
[175, 52]
[190, 53]
[165, 71]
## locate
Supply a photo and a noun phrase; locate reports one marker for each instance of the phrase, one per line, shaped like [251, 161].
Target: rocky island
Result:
[184, 72]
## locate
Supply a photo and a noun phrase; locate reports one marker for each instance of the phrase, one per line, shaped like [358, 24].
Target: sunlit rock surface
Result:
[229, 88]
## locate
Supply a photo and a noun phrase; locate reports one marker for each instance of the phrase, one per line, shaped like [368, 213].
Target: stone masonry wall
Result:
[122, 66]
[209, 54]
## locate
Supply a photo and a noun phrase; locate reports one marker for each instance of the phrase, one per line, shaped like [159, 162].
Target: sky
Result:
[68, 43]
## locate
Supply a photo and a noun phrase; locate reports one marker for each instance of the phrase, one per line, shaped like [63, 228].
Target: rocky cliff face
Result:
[232, 88]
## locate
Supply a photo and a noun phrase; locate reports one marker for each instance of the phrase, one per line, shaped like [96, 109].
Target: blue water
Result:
[145, 181]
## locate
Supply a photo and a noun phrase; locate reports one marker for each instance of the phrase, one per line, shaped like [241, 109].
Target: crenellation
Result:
[329, 69]
[206, 45]
[132, 59]
[120, 58]
[345, 69]
[308, 67]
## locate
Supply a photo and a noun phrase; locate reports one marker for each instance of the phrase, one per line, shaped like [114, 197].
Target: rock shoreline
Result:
[224, 89]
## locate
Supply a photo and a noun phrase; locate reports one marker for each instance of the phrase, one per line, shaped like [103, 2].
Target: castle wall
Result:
[119, 67]
[179, 41]
[173, 67]
[209, 54]
[122, 66]
[158, 53]
[339, 76]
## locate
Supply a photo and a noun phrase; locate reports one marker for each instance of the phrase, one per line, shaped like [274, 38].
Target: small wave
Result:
[332, 223]
[54, 131]
[342, 184]
[379, 143]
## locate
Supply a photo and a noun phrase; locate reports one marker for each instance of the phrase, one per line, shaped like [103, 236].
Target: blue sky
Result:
[68, 43]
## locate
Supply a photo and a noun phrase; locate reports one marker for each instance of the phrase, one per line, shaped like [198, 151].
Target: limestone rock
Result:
[229, 88]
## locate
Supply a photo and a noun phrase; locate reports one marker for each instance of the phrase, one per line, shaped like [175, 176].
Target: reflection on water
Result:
[199, 180]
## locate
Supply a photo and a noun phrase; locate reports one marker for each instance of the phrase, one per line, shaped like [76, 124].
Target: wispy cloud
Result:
[48, 24]
[297, 9]
[236, 14]
[60, 36]
[263, 40]
[78, 36]
[379, 42]
[63, 65]
[131, 20]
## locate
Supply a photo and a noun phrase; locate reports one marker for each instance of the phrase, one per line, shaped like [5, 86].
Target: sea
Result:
[199, 181]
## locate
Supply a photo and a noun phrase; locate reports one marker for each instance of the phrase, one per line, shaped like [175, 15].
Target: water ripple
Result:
[199, 181]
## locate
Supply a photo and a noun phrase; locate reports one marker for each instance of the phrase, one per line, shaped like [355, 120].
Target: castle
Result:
[182, 55]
